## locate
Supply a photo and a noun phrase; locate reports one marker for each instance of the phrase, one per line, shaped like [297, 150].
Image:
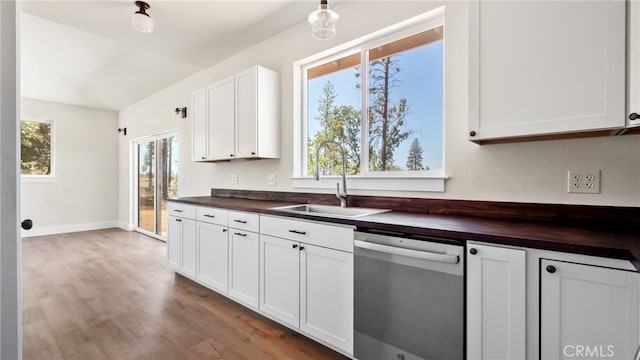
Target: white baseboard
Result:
[52, 230]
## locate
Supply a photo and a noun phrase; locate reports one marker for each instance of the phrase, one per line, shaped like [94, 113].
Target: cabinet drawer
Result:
[325, 235]
[244, 221]
[181, 210]
[212, 215]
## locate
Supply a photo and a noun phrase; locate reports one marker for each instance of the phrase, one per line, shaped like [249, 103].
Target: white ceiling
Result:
[86, 52]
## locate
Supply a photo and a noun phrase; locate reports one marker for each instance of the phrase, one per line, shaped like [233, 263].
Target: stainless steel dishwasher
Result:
[409, 297]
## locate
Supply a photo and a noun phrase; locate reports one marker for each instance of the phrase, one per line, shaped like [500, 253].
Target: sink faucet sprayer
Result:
[340, 195]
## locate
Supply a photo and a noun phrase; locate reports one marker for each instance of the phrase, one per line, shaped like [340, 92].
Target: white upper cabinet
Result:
[199, 125]
[545, 68]
[220, 115]
[633, 65]
[237, 117]
[587, 310]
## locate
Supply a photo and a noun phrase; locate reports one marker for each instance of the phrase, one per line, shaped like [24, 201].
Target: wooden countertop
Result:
[613, 243]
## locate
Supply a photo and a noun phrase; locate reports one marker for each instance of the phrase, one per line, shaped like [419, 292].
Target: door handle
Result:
[27, 224]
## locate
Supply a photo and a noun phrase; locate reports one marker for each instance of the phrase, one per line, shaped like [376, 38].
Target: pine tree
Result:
[414, 159]
[386, 119]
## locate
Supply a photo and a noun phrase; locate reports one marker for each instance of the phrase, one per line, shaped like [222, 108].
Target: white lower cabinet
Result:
[182, 245]
[280, 279]
[587, 311]
[306, 278]
[213, 256]
[326, 295]
[496, 302]
[243, 266]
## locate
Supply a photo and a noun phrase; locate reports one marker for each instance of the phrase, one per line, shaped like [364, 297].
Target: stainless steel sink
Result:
[329, 211]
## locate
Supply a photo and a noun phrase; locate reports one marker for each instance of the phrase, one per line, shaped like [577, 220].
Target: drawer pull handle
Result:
[634, 116]
[209, 216]
[178, 220]
[298, 232]
[177, 210]
[240, 221]
[239, 234]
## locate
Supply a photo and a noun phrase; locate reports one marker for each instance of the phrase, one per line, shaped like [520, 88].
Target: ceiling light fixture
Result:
[323, 22]
[140, 20]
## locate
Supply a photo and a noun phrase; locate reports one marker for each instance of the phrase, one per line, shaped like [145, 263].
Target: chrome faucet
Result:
[340, 195]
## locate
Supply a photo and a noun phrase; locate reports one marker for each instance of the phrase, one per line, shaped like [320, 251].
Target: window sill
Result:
[34, 179]
[391, 183]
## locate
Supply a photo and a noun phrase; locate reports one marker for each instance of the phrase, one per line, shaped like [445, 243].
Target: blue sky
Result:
[420, 82]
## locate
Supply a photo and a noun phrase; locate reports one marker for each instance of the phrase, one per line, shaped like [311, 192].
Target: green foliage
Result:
[414, 158]
[386, 118]
[340, 124]
[35, 148]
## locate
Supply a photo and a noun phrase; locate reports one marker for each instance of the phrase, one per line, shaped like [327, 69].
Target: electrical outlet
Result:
[584, 181]
[271, 179]
[234, 178]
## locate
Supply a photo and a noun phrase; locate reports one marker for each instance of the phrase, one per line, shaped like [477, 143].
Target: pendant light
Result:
[323, 22]
[140, 20]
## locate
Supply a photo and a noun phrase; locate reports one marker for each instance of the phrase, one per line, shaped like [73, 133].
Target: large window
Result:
[382, 101]
[36, 147]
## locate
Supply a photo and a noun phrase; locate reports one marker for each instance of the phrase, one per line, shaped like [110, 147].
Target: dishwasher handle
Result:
[424, 255]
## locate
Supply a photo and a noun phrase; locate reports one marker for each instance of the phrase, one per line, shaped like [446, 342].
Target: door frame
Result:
[134, 175]
[10, 241]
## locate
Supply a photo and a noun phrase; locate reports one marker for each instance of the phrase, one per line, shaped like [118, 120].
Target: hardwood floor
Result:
[108, 294]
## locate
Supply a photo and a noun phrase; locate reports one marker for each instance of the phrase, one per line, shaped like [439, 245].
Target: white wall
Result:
[84, 193]
[524, 172]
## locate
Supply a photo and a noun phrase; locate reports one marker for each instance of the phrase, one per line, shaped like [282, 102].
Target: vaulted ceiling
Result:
[87, 53]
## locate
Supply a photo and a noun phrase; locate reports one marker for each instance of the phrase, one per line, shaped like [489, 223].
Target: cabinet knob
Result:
[301, 247]
[27, 224]
[551, 269]
[473, 251]
[230, 155]
[294, 246]
[634, 116]
[178, 220]
[203, 158]
[224, 230]
[253, 153]
[472, 133]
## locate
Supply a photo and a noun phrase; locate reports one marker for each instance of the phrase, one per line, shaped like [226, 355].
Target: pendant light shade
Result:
[140, 20]
[323, 22]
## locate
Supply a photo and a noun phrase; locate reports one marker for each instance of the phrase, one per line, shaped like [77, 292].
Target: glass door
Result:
[157, 181]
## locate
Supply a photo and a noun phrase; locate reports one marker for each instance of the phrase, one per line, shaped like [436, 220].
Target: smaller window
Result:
[36, 140]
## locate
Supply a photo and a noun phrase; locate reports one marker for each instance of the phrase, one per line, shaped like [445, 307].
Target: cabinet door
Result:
[213, 256]
[243, 267]
[280, 279]
[220, 115]
[246, 113]
[587, 310]
[188, 252]
[545, 67]
[174, 242]
[495, 303]
[199, 125]
[326, 295]
[633, 65]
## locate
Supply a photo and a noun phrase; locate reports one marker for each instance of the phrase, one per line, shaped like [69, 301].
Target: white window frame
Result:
[42, 178]
[428, 180]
